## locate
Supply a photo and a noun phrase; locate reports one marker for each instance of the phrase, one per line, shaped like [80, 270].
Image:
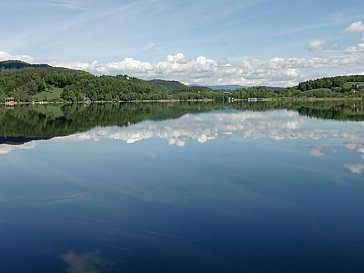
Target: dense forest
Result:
[26, 82]
[339, 83]
[40, 82]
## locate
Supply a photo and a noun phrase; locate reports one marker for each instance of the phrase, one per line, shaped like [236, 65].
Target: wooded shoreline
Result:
[288, 99]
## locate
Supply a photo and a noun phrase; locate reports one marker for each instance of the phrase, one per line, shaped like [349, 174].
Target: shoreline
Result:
[255, 100]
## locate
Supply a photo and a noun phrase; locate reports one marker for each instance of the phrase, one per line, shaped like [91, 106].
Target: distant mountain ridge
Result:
[233, 87]
[225, 87]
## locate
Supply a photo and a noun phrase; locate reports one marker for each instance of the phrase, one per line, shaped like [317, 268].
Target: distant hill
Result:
[236, 87]
[225, 87]
[19, 65]
[163, 84]
[338, 83]
[33, 82]
[275, 88]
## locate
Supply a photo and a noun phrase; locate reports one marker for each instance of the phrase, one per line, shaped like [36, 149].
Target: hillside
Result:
[338, 83]
[27, 82]
[330, 87]
[168, 85]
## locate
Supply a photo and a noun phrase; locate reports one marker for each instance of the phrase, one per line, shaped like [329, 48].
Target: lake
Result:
[184, 187]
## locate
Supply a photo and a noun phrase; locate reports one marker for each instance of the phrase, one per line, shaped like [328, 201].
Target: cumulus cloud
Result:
[320, 45]
[359, 47]
[355, 27]
[276, 71]
[316, 45]
[87, 262]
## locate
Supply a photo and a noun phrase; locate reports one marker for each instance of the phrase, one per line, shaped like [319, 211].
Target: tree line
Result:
[334, 83]
[25, 82]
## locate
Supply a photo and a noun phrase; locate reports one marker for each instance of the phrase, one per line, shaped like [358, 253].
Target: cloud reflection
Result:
[275, 125]
[6, 148]
[359, 148]
[355, 168]
[316, 151]
[87, 262]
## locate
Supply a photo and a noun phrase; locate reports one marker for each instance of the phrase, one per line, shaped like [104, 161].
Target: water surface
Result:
[182, 188]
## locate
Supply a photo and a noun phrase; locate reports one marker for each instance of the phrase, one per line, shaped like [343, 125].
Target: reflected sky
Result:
[220, 191]
[277, 125]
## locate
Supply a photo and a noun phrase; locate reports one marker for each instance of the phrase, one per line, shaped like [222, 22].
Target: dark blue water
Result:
[223, 191]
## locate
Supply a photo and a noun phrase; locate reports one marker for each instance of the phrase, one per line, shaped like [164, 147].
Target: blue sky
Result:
[206, 42]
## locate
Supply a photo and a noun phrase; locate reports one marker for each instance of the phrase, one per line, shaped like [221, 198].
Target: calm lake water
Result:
[182, 188]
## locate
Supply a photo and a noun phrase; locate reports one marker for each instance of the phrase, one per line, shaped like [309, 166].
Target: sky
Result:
[210, 42]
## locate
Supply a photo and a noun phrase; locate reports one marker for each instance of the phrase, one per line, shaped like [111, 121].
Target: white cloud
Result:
[355, 27]
[4, 56]
[316, 45]
[178, 58]
[320, 45]
[128, 65]
[276, 71]
[359, 47]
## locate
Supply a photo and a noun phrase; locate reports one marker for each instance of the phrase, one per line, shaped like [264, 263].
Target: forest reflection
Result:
[27, 123]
